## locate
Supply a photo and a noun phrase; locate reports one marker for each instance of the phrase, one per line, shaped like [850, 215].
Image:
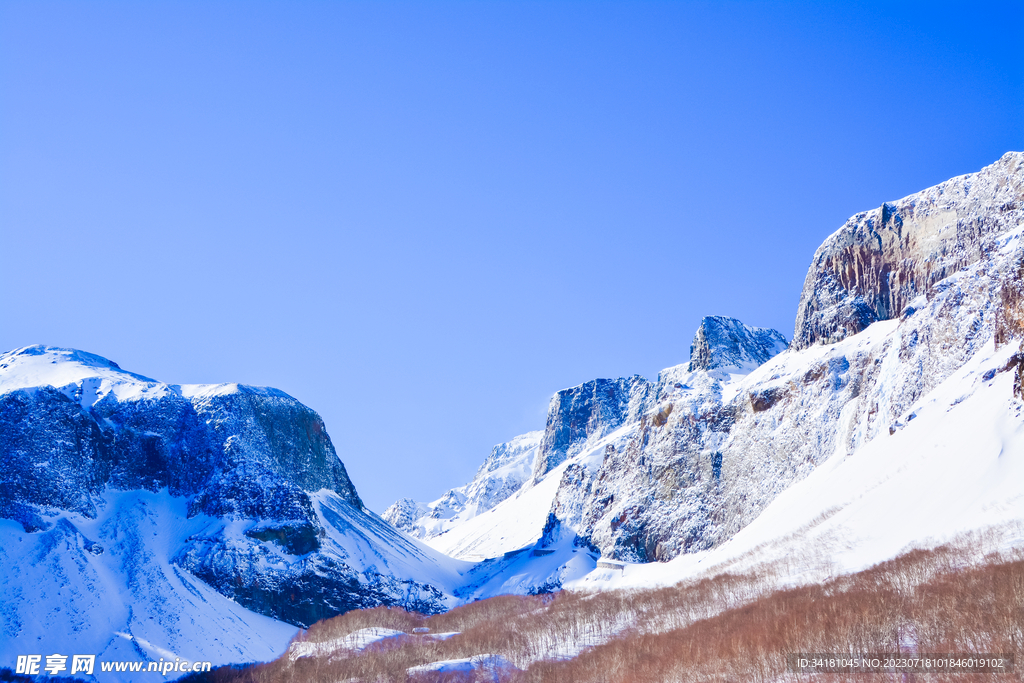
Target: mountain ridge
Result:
[701, 455]
[136, 501]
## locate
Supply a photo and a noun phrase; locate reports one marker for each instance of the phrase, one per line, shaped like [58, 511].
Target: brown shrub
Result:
[724, 628]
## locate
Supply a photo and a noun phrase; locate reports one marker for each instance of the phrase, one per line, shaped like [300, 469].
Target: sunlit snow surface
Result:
[354, 642]
[106, 587]
[486, 663]
[511, 525]
[90, 377]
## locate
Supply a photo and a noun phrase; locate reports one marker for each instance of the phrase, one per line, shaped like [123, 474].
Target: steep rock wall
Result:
[881, 260]
[586, 413]
[722, 343]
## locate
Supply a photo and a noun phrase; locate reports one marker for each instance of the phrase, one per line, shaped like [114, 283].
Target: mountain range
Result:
[141, 519]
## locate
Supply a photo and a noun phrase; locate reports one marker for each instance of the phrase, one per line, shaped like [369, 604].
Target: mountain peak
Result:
[58, 354]
[40, 365]
[722, 342]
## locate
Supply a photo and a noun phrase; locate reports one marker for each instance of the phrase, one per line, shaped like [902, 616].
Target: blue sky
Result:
[422, 219]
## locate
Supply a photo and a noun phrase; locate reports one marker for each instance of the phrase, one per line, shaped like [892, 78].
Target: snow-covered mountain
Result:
[951, 465]
[141, 518]
[596, 421]
[898, 302]
[503, 472]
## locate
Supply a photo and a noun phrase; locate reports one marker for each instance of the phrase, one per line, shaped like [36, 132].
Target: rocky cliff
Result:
[230, 450]
[880, 261]
[585, 414]
[707, 453]
[649, 486]
[727, 344]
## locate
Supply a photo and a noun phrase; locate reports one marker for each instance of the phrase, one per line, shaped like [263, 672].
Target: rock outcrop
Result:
[727, 344]
[708, 453]
[894, 303]
[229, 449]
[586, 413]
[639, 465]
[880, 261]
[647, 486]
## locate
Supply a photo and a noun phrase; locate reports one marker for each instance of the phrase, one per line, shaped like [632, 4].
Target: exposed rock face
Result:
[634, 492]
[304, 571]
[503, 473]
[724, 343]
[1010, 314]
[254, 461]
[266, 439]
[639, 466]
[63, 465]
[648, 470]
[231, 450]
[403, 514]
[584, 414]
[881, 260]
[709, 452]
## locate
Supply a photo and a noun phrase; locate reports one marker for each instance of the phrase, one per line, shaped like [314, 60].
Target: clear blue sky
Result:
[422, 219]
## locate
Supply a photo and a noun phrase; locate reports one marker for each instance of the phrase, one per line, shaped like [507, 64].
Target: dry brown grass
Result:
[728, 628]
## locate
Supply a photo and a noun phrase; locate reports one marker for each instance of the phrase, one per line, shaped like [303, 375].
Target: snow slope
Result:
[107, 586]
[515, 523]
